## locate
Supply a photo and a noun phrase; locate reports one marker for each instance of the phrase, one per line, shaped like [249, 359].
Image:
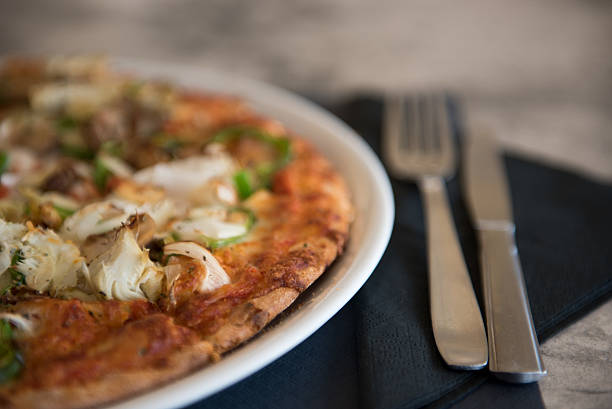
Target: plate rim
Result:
[186, 390]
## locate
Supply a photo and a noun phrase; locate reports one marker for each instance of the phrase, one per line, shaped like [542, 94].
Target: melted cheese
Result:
[181, 177]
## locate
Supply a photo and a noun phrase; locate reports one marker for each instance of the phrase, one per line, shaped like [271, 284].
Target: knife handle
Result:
[456, 320]
[513, 344]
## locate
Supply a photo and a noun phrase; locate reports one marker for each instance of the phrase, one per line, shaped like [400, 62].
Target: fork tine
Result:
[444, 131]
[417, 138]
[421, 121]
[430, 126]
[441, 121]
[392, 120]
[412, 123]
[393, 128]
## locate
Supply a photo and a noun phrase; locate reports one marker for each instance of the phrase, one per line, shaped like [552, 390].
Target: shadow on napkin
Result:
[379, 350]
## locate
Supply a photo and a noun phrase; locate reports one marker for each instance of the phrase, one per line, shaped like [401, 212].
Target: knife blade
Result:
[513, 344]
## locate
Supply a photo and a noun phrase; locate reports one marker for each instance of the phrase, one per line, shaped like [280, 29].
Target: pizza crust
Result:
[250, 318]
[112, 387]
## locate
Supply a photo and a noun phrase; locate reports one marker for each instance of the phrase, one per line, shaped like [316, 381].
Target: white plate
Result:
[372, 197]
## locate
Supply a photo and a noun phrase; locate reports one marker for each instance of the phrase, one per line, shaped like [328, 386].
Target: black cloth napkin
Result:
[379, 352]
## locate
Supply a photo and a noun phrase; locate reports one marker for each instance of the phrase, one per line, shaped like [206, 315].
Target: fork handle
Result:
[456, 320]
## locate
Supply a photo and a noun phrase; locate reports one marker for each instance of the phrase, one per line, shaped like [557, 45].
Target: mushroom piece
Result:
[123, 121]
[61, 179]
[48, 216]
[141, 225]
[69, 178]
[109, 124]
[215, 276]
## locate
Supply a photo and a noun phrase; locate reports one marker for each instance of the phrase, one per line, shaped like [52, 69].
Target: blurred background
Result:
[538, 72]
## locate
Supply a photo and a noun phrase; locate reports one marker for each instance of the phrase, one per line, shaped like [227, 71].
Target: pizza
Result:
[145, 229]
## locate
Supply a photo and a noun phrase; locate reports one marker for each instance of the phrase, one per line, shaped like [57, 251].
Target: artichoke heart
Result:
[10, 235]
[125, 272]
[51, 264]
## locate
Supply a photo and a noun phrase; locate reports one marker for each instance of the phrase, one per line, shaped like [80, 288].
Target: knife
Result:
[513, 345]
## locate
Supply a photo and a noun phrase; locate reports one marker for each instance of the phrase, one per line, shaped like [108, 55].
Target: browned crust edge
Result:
[252, 316]
[111, 388]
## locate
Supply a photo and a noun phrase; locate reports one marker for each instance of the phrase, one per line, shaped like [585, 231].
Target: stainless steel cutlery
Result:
[418, 145]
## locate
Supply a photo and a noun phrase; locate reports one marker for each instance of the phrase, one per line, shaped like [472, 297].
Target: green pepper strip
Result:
[101, 174]
[242, 180]
[113, 148]
[281, 144]
[263, 171]
[79, 152]
[4, 162]
[17, 277]
[17, 257]
[63, 212]
[212, 243]
[10, 359]
[217, 243]
[66, 123]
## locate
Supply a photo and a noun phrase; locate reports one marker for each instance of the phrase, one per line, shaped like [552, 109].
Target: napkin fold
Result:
[379, 351]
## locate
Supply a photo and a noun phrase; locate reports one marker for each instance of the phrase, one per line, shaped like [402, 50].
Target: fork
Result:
[418, 146]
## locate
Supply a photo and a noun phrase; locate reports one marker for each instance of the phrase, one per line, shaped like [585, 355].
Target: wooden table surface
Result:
[537, 72]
